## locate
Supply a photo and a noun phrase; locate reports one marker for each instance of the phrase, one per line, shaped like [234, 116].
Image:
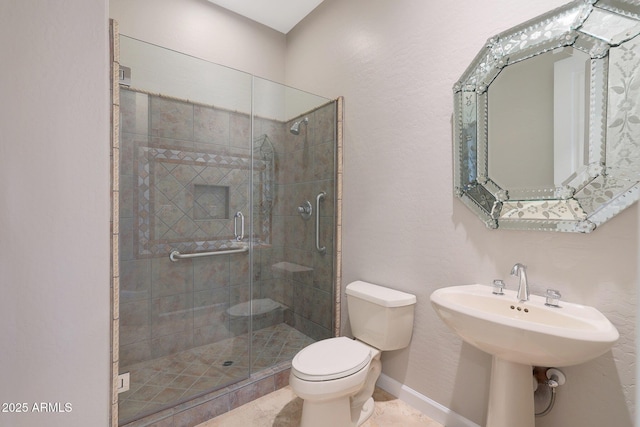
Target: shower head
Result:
[295, 129]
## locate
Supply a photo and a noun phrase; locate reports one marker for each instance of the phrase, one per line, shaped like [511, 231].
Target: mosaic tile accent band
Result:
[167, 182]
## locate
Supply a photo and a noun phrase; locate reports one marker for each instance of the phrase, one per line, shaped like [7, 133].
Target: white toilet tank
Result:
[379, 316]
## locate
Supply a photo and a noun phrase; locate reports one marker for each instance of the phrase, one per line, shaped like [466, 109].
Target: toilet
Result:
[335, 377]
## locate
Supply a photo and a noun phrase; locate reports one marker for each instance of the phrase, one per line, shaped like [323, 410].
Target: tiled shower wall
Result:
[291, 271]
[185, 170]
[167, 307]
[301, 276]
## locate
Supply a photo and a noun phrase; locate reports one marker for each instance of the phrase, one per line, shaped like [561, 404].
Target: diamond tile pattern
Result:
[169, 215]
[161, 383]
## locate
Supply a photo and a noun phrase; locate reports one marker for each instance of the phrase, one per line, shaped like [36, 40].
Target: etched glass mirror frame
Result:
[609, 181]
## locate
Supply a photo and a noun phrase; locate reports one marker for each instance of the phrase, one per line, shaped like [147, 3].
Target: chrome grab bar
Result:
[240, 236]
[175, 255]
[319, 197]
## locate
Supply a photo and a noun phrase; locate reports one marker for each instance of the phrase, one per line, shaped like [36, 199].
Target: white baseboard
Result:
[430, 408]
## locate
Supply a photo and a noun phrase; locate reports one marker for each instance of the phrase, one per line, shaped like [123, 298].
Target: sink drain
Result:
[227, 363]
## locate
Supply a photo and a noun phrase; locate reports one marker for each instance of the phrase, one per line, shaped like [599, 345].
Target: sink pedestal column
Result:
[510, 395]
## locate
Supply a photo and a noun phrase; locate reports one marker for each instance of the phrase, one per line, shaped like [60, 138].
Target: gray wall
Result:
[54, 220]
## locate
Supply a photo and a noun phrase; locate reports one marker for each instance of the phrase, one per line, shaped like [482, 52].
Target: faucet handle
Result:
[553, 298]
[498, 287]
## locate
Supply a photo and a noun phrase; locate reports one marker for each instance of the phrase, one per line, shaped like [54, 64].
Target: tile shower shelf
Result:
[290, 267]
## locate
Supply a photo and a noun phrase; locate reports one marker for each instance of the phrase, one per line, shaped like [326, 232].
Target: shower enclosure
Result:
[227, 220]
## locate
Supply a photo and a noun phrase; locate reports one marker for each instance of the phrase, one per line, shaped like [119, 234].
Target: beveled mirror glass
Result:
[547, 120]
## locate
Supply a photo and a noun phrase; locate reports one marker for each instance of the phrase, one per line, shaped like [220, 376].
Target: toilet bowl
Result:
[336, 377]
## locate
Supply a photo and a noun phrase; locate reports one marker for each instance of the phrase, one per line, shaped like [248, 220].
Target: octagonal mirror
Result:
[547, 120]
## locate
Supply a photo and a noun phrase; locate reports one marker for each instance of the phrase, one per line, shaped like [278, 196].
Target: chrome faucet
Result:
[523, 286]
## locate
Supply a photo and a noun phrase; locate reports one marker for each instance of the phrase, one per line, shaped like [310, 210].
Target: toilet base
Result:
[326, 413]
[347, 410]
[333, 413]
[367, 411]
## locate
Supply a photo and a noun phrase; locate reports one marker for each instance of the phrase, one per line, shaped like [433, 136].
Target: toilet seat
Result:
[330, 359]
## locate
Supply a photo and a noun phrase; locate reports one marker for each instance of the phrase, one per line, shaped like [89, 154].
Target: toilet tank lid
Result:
[380, 295]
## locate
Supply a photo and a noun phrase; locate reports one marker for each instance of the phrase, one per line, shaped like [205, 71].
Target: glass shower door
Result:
[227, 227]
[185, 180]
[293, 257]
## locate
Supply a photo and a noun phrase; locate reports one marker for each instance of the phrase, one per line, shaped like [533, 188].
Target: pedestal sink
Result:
[521, 335]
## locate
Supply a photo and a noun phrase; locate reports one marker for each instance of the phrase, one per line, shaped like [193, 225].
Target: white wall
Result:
[395, 63]
[204, 30]
[54, 211]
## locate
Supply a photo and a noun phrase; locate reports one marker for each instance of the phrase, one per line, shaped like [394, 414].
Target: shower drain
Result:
[227, 363]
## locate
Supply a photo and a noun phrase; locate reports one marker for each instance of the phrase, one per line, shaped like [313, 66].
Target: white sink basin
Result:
[529, 333]
[519, 336]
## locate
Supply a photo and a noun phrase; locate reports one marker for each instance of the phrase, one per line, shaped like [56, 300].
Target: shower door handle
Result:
[240, 236]
[319, 197]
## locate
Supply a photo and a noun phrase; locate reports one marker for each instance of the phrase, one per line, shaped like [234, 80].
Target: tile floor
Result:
[161, 383]
[282, 408]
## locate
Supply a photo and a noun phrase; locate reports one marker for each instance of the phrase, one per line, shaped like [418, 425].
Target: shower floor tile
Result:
[164, 382]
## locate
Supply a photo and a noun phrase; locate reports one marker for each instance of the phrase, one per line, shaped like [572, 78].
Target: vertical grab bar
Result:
[240, 236]
[319, 197]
